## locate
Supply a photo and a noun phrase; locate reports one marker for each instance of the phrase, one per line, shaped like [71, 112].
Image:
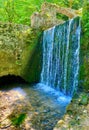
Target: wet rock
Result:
[60, 122]
[77, 115]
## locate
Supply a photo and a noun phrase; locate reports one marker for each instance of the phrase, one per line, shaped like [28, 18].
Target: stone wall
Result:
[20, 52]
[47, 17]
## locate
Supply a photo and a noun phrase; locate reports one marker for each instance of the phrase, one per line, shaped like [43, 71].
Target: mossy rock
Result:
[20, 51]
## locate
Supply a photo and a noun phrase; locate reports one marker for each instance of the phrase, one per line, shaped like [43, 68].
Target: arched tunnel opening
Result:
[9, 81]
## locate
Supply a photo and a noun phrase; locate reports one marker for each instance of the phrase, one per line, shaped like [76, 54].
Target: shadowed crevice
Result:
[10, 79]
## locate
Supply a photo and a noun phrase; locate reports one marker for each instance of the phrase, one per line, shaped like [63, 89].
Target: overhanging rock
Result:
[20, 52]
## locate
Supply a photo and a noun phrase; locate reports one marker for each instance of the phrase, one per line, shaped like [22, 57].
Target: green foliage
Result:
[18, 120]
[19, 11]
[85, 19]
[75, 4]
[83, 99]
[61, 16]
[85, 46]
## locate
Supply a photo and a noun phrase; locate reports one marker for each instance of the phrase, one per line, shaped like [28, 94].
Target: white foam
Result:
[60, 97]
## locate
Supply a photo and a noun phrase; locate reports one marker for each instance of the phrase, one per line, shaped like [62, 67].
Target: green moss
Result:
[20, 51]
[32, 59]
[83, 99]
[17, 120]
[84, 54]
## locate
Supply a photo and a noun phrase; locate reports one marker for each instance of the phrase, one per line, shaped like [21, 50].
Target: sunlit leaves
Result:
[19, 11]
[85, 19]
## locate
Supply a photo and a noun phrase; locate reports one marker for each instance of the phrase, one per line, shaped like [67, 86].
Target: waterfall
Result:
[60, 67]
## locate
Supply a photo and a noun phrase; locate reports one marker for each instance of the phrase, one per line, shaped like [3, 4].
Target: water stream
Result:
[59, 76]
[61, 46]
[48, 106]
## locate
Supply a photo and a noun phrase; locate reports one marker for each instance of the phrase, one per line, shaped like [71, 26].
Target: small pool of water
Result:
[49, 104]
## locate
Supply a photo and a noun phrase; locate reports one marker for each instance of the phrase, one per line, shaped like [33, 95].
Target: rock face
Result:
[20, 52]
[48, 15]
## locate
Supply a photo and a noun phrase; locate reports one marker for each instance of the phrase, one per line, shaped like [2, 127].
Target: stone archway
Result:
[47, 16]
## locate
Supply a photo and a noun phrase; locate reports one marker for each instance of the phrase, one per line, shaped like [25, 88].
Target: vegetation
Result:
[84, 73]
[17, 120]
[85, 20]
[19, 11]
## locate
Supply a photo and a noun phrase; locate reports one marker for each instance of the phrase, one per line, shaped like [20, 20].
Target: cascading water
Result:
[61, 46]
[59, 77]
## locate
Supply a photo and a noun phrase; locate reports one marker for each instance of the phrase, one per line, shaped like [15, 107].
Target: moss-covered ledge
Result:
[20, 51]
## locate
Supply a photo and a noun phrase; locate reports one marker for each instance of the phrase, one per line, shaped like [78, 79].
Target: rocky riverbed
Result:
[17, 113]
[77, 115]
[14, 111]
[24, 107]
